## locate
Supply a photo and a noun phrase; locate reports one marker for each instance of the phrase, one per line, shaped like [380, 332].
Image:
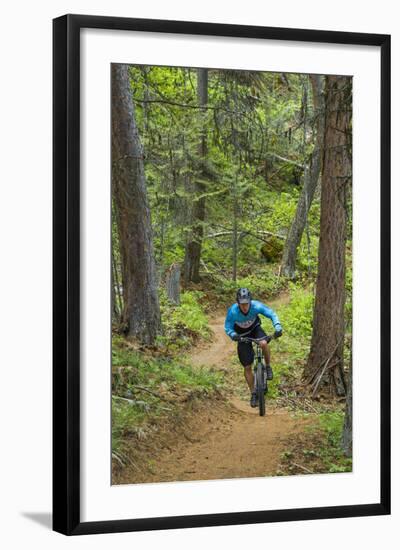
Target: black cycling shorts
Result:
[245, 349]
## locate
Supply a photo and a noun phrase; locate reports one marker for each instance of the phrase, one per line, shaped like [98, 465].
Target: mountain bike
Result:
[260, 372]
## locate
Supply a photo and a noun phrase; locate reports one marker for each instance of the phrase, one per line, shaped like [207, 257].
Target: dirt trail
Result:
[232, 440]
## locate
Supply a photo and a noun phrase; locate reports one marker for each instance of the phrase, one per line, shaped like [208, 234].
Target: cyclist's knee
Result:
[247, 367]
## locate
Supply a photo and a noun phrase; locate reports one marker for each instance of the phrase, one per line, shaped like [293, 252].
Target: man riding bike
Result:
[242, 320]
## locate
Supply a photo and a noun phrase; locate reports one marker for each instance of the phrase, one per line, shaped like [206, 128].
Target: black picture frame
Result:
[66, 273]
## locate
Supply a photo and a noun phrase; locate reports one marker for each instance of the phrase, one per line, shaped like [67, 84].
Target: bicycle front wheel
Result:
[260, 389]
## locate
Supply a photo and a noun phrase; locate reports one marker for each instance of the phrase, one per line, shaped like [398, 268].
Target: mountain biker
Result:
[242, 320]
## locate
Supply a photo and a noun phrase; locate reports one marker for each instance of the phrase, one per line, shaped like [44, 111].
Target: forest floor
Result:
[226, 438]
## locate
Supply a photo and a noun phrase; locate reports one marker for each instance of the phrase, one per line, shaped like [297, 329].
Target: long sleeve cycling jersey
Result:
[236, 317]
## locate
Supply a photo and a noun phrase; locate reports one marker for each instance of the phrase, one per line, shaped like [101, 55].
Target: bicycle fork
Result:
[263, 369]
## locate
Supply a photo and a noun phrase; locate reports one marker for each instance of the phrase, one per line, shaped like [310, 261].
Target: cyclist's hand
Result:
[278, 333]
[236, 337]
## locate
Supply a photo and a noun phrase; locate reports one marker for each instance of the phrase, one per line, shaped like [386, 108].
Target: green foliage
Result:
[255, 158]
[263, 283]
[121, 354]
[190, 315]
[283, 371]
[127, 418]
[297, 316]
[153, 371]
[331, 451]
[259, 115]
[332, 424]
[184, 323]
[256, 113]
[282, 209]
[320, 451]
[290, 351]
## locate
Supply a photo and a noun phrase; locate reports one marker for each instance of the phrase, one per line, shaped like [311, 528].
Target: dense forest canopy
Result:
[260, 131]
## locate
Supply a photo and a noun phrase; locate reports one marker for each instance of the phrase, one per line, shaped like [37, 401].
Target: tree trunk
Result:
[172, 283]
[311, 176]
[115, 313]
[347, 436]
[235, 230]
[325, 362]
[117, 288]
[193, 247]
[141, 314]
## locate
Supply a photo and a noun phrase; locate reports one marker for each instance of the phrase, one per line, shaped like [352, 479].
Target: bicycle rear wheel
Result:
[260, 389]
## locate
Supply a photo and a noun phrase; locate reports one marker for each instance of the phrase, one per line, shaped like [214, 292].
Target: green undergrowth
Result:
[318, 449]
[331, 452]
[289, 352]
[297, 315]
[262, 280]
[147, 389]
[183, 324]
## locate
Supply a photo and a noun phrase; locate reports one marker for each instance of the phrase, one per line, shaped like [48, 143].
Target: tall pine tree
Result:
[325, 361]
[141, 314]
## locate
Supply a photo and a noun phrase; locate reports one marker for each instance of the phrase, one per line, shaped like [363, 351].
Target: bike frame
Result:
[260, 379]
[259, 359]
[259, 354]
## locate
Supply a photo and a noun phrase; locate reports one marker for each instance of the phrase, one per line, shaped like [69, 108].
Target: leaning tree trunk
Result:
[117, 287]
[115, 313]
[325, 362]
[193, 247]
[141, 313]
[311, 176]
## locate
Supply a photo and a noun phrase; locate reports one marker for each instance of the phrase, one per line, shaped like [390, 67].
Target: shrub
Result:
[263, 284]
[297, 316]
[190, 315]
[184, 323]
[272, 250]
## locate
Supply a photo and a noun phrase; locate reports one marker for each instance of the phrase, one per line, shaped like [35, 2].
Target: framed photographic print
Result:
[221, 274]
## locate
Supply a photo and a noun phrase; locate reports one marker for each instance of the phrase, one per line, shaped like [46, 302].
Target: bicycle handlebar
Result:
[267, 337]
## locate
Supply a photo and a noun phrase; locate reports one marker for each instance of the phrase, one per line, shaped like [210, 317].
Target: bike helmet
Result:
[243, 296]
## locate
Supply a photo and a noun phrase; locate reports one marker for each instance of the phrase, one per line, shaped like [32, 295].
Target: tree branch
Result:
[285, 159]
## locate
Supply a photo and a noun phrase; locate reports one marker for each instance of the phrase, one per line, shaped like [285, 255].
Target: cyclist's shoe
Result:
[254, 400]
[270, 374]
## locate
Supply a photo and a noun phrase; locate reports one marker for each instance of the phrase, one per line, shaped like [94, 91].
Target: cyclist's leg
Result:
[246, 357]
[266, 352]
[249, 376]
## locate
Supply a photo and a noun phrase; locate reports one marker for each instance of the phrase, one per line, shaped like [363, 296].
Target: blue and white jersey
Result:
[236, 319]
